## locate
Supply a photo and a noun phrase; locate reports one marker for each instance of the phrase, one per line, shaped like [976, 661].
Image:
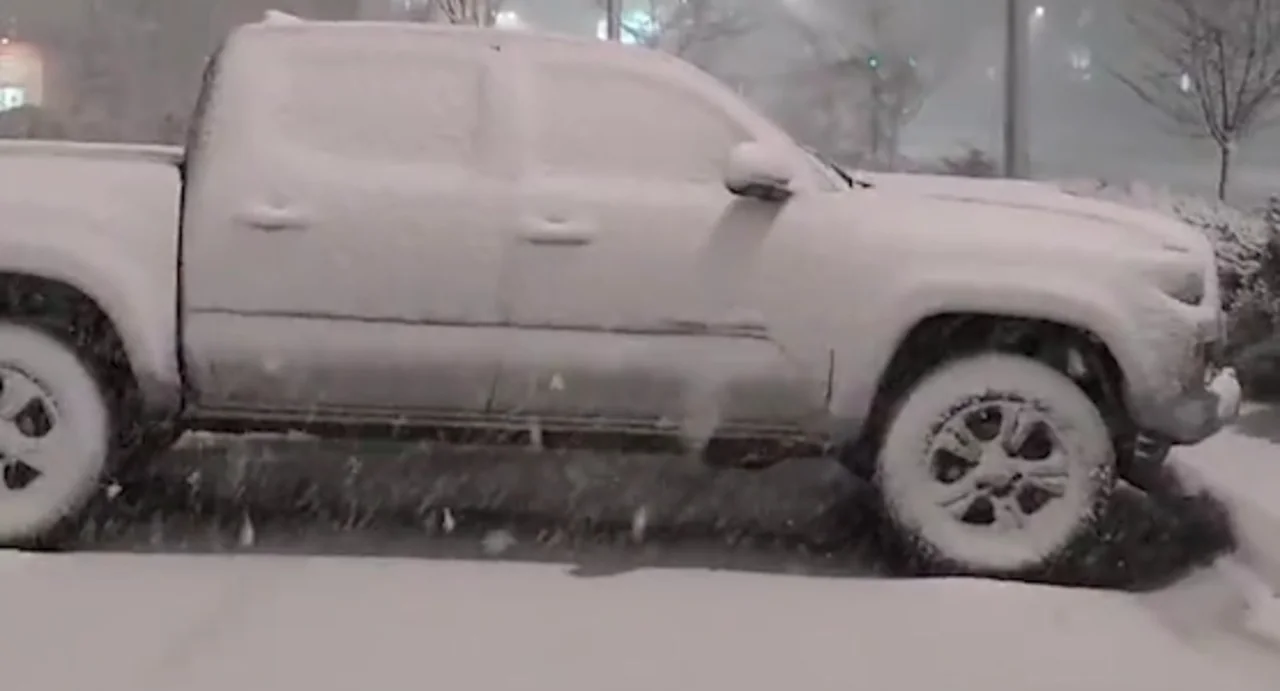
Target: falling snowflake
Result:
[639, 523]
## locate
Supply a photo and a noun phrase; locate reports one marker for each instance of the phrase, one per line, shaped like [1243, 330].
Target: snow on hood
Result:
[1026, 195]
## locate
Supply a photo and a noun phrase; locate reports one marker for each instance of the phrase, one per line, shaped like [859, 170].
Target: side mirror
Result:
[759, 171]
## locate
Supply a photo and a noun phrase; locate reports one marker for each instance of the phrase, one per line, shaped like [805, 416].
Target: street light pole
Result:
[613, 19]
[1017, 159]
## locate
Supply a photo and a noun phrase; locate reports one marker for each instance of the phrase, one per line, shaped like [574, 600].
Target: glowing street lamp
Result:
[507, 19]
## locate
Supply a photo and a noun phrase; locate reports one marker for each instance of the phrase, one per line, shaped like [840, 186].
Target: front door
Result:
[343, 230]
[629, 269]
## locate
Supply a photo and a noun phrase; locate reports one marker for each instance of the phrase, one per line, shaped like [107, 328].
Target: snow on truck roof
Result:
[277, 21]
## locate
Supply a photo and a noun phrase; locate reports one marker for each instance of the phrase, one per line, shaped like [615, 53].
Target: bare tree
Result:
[1211, 66]
[868, 84]
[683, 26]
[687, 28]
[462, 11]
[973, 163]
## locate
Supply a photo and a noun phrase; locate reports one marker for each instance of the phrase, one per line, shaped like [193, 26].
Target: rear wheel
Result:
[994, 464]
[55, 436]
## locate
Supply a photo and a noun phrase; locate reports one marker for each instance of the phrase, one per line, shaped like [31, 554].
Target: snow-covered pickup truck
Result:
[396, 229]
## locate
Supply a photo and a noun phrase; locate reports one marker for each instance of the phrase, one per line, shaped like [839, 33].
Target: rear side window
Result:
[596, 121]
[368, 103]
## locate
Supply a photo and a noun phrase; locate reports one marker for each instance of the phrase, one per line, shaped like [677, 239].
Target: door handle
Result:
[273, 218]
[557, 233]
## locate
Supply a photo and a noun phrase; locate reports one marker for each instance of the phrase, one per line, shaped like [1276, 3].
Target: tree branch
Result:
[1230, 52]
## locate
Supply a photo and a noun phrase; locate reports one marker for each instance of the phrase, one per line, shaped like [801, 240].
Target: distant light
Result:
[1185, 83]
[12, 97]
[4, 41]
[873, 61]
[507, 19]
[1040, 11]
[637, 26]
[1081, 58]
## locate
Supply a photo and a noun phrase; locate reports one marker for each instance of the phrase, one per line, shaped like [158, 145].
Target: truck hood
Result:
[1085, 215]
[166, 155]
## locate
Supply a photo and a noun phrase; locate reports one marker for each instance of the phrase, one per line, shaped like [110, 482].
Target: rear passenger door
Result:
[344, 228]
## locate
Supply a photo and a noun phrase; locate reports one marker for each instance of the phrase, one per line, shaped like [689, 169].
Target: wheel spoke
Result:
[958, 439]
[1050, 475]
[1016, 425]
[15, 444]
[957, 496]
[1008, 515]
[16, 394]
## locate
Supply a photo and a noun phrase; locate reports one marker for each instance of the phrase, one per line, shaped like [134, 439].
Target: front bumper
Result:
[1202, 411]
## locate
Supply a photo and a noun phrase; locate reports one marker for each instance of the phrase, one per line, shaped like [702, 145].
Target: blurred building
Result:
[22, 75]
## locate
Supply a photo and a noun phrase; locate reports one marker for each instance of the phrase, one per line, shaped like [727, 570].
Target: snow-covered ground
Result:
[1241, 467]
[194, 623]
[188, 623]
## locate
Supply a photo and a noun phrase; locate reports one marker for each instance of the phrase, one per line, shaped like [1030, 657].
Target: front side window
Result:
[593, 121]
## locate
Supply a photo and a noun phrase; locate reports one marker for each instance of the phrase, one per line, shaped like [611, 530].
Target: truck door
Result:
[629, 273]
[343, 227]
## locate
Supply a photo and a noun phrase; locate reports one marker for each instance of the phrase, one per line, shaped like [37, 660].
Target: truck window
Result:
[594, 121]
[383, 106]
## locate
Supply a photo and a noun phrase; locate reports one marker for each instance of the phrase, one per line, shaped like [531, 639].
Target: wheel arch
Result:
[937, 336]
[92, 321]
[123, 290]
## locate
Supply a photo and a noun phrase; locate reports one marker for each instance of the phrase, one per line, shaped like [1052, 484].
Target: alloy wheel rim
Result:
[1001, 467]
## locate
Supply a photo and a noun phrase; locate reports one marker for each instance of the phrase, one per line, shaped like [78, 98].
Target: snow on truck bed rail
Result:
[92, 150]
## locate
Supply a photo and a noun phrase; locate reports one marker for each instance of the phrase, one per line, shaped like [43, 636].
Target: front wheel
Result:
[996, 465]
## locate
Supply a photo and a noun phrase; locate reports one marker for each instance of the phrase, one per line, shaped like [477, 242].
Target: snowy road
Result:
[212, 623]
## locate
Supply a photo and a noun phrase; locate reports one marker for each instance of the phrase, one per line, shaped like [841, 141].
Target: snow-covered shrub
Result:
[1253, 313]
[1259, 367]
[971, 163]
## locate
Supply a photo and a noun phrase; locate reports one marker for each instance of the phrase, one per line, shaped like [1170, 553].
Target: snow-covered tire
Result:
[1038, 461]
[55, 437]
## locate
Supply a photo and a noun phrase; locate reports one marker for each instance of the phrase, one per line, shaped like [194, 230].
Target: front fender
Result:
[1025, 293]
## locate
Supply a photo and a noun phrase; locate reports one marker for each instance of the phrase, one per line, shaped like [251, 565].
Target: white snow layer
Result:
[1244, 473]
[184, 623]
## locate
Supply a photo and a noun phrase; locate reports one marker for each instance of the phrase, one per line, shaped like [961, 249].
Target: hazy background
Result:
[128, 70]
